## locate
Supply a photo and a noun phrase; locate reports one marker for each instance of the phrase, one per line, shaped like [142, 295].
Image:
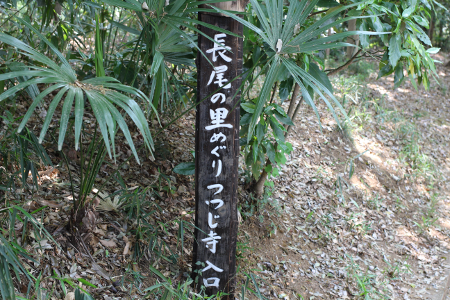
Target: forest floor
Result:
[359, 213]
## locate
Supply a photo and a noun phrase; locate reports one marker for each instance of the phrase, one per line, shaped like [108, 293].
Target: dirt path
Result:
[384, 232]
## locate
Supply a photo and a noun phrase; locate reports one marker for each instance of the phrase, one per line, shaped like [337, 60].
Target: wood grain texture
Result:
[205, 174]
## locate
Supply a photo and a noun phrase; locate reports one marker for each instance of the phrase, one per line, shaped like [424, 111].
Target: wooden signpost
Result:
[217, 152]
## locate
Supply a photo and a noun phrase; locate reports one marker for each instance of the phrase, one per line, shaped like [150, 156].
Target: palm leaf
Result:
[99, 92]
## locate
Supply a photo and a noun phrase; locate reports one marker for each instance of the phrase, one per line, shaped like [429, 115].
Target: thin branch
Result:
[318, 12]
[344, 66]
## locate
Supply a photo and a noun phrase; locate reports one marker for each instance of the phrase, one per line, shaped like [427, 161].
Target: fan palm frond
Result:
[104, 94]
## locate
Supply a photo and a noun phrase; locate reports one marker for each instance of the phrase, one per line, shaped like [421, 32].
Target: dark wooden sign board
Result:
[216, 156]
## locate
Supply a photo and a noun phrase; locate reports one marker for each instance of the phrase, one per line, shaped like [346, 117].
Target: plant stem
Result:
[294, 115]
[293, 100]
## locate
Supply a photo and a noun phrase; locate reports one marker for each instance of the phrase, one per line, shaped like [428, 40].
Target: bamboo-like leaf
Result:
[35, 103]
[12, 41]
[271, 77]
[28, 73]
[121, 122]
[50, 111]
[65, 114]
[100, 116]
[292, 19]
[124, 28]
[61, 57]
[16, 88]
[261, 33]
[79, 111]
[133, 110]
[316, 85]
[123, 4]
[101, 80]
[99, 69]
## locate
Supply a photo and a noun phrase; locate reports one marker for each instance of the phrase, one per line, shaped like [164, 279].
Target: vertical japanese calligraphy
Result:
[217, 150]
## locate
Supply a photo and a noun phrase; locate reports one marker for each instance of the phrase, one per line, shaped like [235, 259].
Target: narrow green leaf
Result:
[100, 114]
[50, 111]
[79, 111]
[35, 103]
[11, 91]
[264, 95]
[85, 282]
[65, 114]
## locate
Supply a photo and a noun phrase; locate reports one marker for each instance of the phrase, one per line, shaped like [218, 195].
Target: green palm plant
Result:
[277, 31]
[105, 96]
[165, 34]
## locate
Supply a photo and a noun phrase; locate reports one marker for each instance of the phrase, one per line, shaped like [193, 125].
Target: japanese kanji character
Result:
[219, 167]
[218, 49]
[219, 73]
[215, 186]
[214, 202]
[218, 118]
[212, 241]
[218, 96]
[211, 266]
[214, 283]
[217, 136]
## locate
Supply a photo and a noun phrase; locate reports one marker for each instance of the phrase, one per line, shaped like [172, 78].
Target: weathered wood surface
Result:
[217, 146]
[229, 5]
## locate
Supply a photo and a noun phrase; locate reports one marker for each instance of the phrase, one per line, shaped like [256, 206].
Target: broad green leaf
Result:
[285, 88]
[433, 50]
[248, 107]
[185, 168]
[394, 49]
[283, 118]
[421, 21]
[327, 3]
[320, 76]
[410, 9]
[277, 129]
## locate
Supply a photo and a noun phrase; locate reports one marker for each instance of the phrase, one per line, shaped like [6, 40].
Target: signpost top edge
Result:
[238, 5]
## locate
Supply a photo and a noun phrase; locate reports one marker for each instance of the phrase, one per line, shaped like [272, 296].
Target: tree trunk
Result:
[354, 39]
[294, 116]
[258, 188]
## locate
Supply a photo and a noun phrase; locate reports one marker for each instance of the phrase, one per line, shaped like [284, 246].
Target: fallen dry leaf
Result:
[52, 204]
[109, 244]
